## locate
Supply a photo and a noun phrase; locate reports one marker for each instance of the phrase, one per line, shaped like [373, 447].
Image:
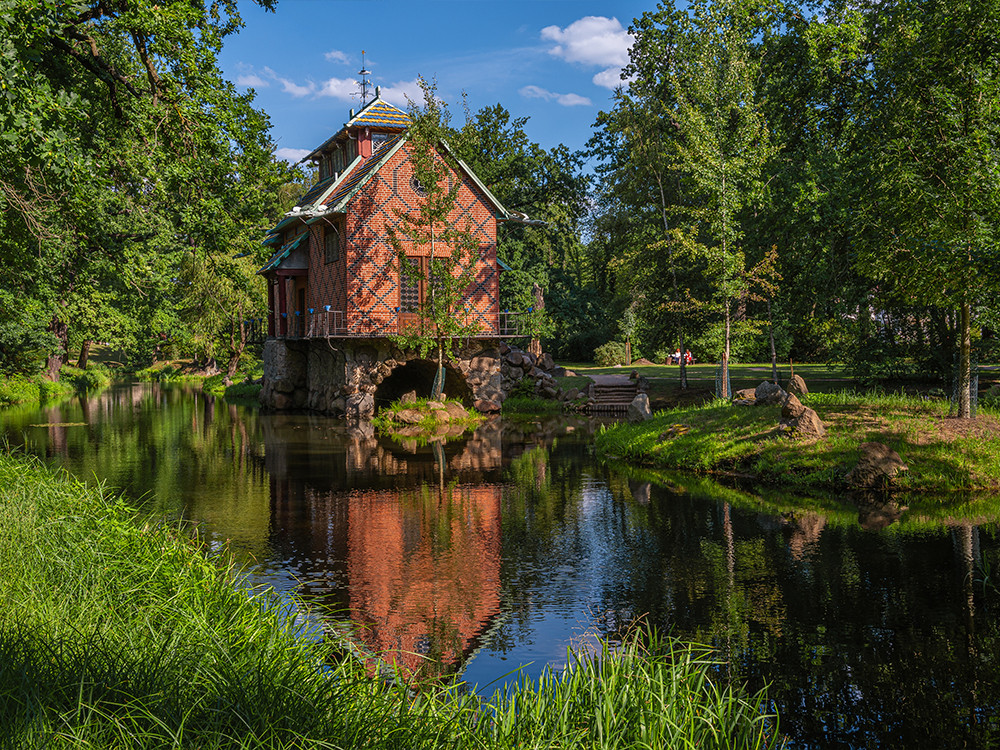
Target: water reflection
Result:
[414, 560]
[876, 625]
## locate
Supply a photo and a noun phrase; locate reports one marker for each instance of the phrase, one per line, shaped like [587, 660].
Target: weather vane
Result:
[364, 73]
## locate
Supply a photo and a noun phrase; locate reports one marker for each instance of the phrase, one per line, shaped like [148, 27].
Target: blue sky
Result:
[554, 61]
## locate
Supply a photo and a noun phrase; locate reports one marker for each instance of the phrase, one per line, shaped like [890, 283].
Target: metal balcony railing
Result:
[334, 324]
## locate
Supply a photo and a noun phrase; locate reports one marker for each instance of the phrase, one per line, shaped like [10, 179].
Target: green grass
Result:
[123, 632]
[720, 438]
[820, 377]
[429, 426]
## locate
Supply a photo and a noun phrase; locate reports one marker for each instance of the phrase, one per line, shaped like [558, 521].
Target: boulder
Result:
[514, 358]
[410, 397]
[559, 372]
[408, 416]
[633, 375]
[877, 466]
[806, 425]
[487, 407]
[792, 408]
[642, 383]
[572, 394]
[545, 362]
[797, 386]
[456, 411]
[745, 397]
[769, 394]
[638, 410]
[516, 373]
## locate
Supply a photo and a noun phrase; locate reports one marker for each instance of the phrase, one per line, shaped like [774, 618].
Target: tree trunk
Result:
[680, 338]
[965, 363]
[628, 352]
[84, 355]
[673, 274]
[58, 358]
[725, 357]
[438, 386]
[774, 353]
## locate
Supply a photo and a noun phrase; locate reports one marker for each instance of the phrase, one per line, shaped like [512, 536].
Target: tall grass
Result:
[119, 632]
[649, 693]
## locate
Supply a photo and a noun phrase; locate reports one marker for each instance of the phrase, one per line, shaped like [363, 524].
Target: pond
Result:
[498, 551]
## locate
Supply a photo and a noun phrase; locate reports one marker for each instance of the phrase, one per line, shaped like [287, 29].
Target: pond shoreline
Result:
[157, 642]
[736, 443]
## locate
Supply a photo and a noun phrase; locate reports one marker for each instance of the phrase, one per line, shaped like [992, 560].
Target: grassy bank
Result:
[943, 454]
[19, 389]
[126, 633]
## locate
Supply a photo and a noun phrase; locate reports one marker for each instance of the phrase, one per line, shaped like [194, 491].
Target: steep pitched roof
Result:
[380, 114]
[377, 113]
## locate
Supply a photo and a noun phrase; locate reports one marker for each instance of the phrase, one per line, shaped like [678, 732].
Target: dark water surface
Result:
[501, 550]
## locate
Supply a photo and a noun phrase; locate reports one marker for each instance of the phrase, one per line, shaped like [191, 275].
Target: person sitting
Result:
[688, 359]
[675, 358]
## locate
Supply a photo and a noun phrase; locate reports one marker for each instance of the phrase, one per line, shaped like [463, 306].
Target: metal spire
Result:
[364, 73]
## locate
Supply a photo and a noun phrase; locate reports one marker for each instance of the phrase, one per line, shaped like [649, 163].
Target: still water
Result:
[500, 550]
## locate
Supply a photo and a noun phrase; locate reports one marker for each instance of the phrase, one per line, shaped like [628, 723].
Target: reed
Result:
[119, 631]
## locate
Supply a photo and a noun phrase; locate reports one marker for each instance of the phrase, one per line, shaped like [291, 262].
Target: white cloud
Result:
[566, 100]
[610, 78]
[290, 87]
[591, 40]
[292, 155]
[252, 79]
[335, 55]
[399, 92]
[344, 89]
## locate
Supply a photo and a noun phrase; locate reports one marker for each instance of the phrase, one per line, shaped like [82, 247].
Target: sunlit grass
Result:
[720, 438]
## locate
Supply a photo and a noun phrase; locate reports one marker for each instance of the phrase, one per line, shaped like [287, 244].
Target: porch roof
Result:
[283, 253]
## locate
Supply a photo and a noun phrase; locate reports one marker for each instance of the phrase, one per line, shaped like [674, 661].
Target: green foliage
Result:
[243, 391]
[611, 353]
[135, 182]
[93, 378]
[18, 389]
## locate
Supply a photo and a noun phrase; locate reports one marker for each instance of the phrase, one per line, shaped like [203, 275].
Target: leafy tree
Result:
[442, 319]
[934, 144]
[123, 152]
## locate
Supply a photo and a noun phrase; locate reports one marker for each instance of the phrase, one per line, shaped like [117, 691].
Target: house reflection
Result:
[403, 540]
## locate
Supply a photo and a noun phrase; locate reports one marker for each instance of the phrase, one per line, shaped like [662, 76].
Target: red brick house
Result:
[334, 276]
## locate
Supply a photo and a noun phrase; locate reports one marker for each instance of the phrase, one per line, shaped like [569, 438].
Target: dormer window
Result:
[378, 141]
[338, 160]
[325, 166]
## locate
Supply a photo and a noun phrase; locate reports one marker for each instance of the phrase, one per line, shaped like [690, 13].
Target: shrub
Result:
[17, 389]
[95, 377]
[243, 391]
[611, 353]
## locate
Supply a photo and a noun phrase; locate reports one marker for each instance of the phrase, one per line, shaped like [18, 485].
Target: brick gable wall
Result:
[364, 283]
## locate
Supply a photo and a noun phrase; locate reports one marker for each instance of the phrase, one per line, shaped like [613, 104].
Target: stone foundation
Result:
[342, 377]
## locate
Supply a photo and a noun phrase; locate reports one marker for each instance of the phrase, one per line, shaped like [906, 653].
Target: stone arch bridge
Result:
[356, 376]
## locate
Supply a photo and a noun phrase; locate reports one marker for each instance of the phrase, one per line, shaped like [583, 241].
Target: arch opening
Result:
[418, 375]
